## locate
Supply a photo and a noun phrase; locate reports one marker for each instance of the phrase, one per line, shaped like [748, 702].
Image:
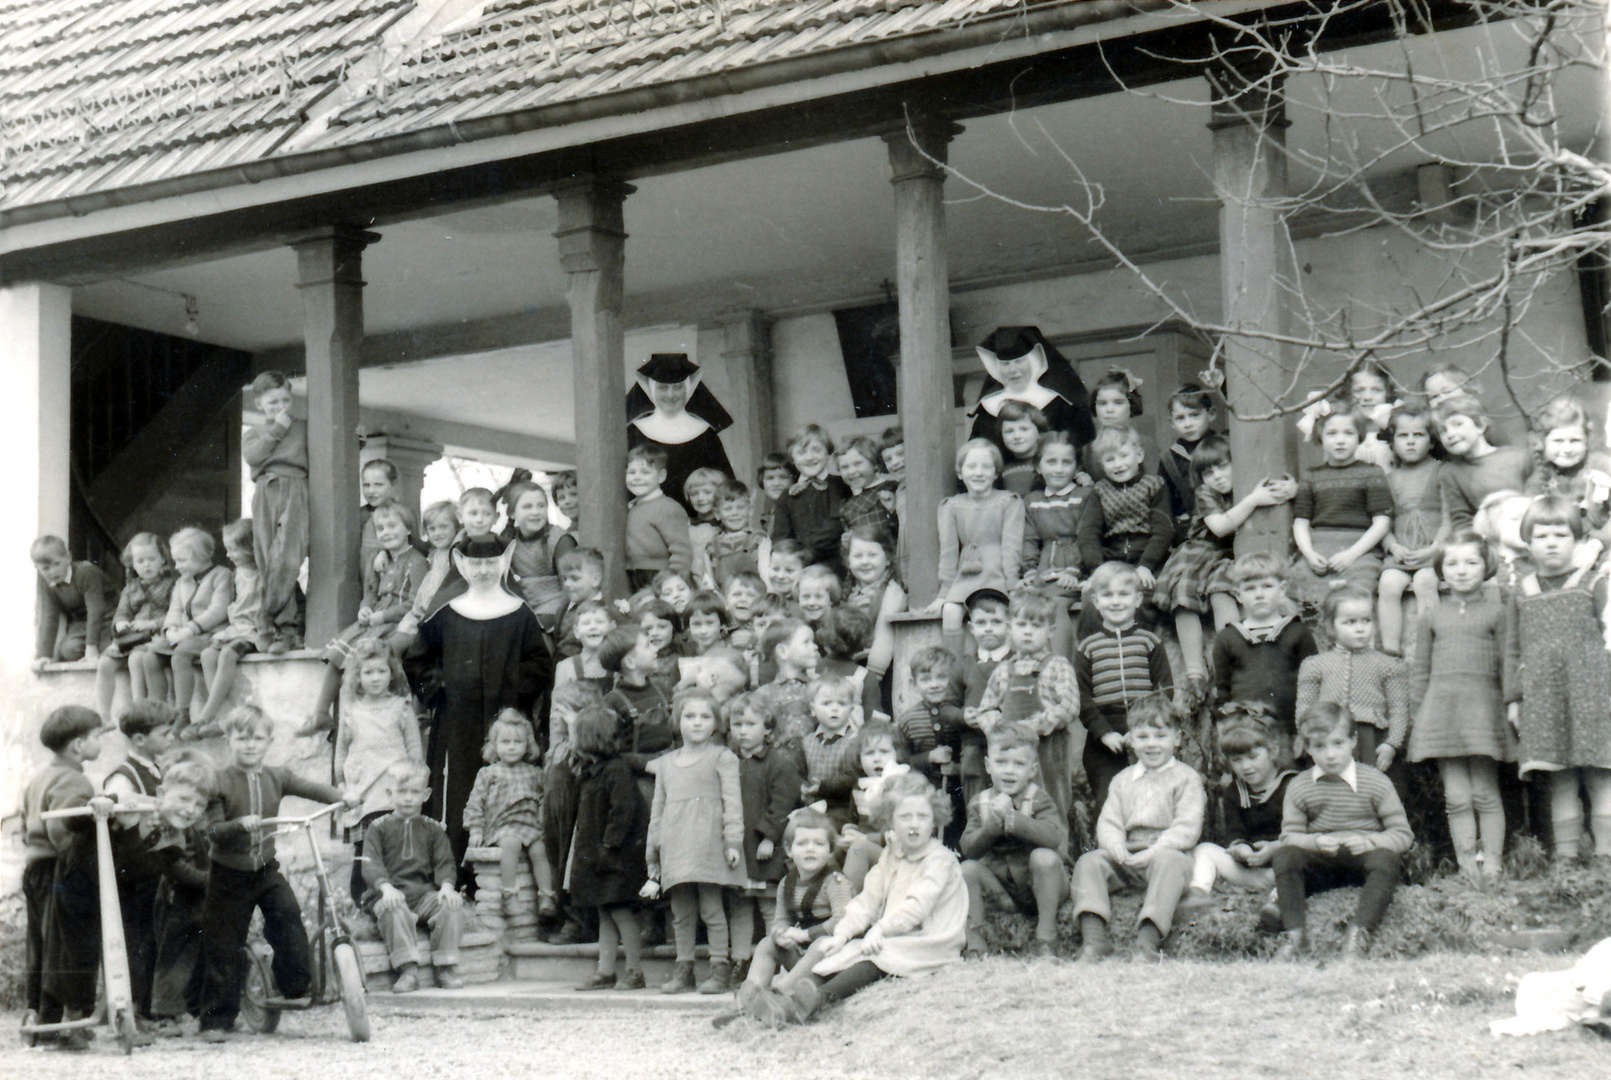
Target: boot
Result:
[720, 979]
[631, 979]
[448, 978]
[682, 979]
[762, 1004]
[741, 971]
[1149, 943]
[802, 1001]
[1094, 938]
[1293, 945]
[408, 980]
[1470, 872]
[1356, 946]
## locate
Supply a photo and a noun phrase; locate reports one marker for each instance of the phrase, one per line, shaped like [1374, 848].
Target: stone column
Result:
[411, 456]
[35, 379]
[330, 277]
[1256, 274]
[592, 249]
[923, 288]
[747, 357]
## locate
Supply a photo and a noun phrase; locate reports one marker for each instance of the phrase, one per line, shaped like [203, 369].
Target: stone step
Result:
[481, 960]
[538, 995]
[541, 962]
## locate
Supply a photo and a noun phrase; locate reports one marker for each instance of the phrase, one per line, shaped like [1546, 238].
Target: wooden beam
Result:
[330, 277]
[747, 356]
[695, 138]
[592, 249]
[917, 163]
[1256, 277]
[472, 437]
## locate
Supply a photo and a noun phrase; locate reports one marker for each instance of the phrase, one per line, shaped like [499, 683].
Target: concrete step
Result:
[541, 994]
[571, 964]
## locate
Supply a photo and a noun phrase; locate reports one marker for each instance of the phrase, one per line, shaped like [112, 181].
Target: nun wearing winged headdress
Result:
[1023, 366]
[671, 409]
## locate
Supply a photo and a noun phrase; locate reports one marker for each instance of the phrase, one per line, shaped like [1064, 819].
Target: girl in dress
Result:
[875, 591]
[604, 867]
[696, 838]
[1116, 402]
[1457, 700]
[981, 535]
[1475, 468]
[505, 809]
[534, 545]
[809, 511]
[1021, 429]
[769, 786]
[1341, 512]
[378, 729]
[1555, 646]
[143, 604]
[818, 593]
[700, 492]
[1051, 529]
[705, 623]
[858, 468]
[1417, 524]
[198, 605]
[910, 918]
[1196, 579]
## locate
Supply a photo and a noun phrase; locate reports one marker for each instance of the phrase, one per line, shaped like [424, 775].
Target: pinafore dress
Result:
[1565, 677]
[1056, 751]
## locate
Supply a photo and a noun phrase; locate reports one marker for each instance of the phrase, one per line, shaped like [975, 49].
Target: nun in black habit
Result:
[1023, 366]
[669, 408]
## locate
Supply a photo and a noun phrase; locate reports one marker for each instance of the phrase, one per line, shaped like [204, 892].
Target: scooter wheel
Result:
[255, 1015]
[29, 1038]
[126, 1030]
[352, 991]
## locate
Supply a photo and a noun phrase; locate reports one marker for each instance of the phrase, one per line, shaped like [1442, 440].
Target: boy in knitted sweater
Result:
[1150, 823]
[1343, 825]
[657, 526]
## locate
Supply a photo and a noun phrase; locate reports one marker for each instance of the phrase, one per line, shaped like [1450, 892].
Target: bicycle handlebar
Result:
[275, 822]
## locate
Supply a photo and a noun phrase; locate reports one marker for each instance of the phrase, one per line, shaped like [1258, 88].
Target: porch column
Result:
[747, 357]
[411, 456]
[923, 288]
[1256, 271]
[330, 277]
[592, 249]
[35, 379]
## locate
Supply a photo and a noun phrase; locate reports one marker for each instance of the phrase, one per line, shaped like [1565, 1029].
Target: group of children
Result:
[723, 742]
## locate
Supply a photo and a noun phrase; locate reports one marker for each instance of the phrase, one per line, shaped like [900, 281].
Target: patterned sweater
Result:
[505, 795]
[1374, 686]
[1361, 800]
[1343, 496]
[1114, 668]
[1134, 508]
[1051, 527]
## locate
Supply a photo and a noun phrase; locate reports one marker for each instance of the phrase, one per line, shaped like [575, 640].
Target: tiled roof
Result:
[104, 94]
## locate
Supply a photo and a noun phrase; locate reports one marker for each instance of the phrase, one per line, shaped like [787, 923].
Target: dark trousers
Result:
[227, 916]
[1298, 873]
[72, 940]
[36, 886]
[1101, 766]
[138, 900]
[842, 984]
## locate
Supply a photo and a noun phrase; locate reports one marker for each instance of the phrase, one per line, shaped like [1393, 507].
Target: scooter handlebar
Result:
[276, 822]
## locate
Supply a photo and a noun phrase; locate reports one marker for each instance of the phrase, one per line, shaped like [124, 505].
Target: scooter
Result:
[117, 1004]
[336, 972]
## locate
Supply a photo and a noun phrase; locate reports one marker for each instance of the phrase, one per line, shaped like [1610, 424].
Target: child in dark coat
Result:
[607, 863]
[769, 785]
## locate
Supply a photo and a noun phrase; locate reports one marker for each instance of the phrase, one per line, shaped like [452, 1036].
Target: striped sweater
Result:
[1360, 800]
[1113, 669]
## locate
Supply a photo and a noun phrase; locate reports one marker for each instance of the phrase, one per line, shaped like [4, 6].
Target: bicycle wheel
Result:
[352, 991]
[255, 1015]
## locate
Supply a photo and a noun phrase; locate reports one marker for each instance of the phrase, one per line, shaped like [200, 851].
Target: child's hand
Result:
[1241, 853]
[1145, 577]
[1328, 844]
[1384, 756]
[39, 663]
[935, 606]
[249, 821]
[364, 613]
[474, 841]
[763, 850]
[1114, 742]
[102, 806]
[1083, 479]
[1356, 843]
[120, 626]
[1317, 562]
[734, 856]
[352, 798]
[650, 890]
[1140, 860]
[940, 755]
[1341, 561]
[1263, 852]
[1067, 580]
[872, 941]
[1512, 713]
[452, 899]
[391, 898]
